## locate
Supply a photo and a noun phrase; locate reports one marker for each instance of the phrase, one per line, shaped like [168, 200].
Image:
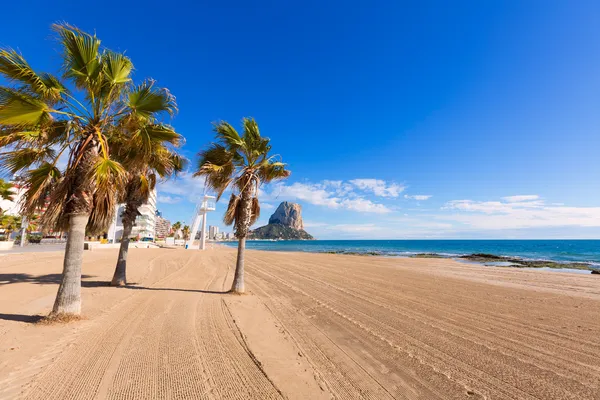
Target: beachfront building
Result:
[145, 223]
[213, 232]
[12, 207]
[162, 227]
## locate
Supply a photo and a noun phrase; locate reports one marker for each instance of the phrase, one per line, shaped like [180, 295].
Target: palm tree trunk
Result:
[68, 298]
[238, 279]
[120, 276]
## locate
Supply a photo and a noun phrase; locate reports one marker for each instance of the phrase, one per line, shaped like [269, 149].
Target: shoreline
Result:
[486, 259]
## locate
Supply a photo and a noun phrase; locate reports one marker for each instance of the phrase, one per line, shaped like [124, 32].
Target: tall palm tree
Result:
[147, 151]
[186, 232]
[42, 119]
[241, 163]
[9, 223]
[176, 227]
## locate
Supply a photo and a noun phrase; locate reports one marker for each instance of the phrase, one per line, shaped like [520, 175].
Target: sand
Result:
[313, 326]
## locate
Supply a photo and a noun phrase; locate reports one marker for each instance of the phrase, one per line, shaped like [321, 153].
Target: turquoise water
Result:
[555, 250]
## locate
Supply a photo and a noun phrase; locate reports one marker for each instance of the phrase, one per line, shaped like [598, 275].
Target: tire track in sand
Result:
[173, 340]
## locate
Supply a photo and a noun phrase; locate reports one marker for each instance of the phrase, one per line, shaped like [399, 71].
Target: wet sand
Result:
[313, 326]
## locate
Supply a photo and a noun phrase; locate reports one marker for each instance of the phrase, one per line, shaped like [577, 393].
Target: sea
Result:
[567, 251]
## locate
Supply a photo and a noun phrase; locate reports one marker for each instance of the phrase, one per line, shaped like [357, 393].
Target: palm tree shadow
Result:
[175, 290]
[7, 279]
[30, 319]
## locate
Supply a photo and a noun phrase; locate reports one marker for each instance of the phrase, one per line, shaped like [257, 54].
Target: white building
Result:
[13, 207]
[213, 232]
[162, 227]
[145, 224]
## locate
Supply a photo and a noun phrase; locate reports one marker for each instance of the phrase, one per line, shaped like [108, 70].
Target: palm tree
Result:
[146, 150]
[42, 119]
[241, 163]
[186, 232]
[176, 226]
[6, 191]
[9, 223]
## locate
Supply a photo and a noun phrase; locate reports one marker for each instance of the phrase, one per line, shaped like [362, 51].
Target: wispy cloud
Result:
[519, 212]
[521, 198]
[330, 194]
[418, 197]
[169, 199]
[379, 187]
[266, 206]
[184, 185]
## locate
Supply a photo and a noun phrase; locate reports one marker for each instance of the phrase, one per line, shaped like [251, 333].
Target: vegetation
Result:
[240, 163]
[6, 191]
[186, 232]
[43, 121]
[146, 149]
[279, 231]
[87, 138]
[175, 228]
[9, 224]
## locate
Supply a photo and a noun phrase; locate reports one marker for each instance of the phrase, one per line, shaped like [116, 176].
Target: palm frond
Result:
[152, 134]
[271, 171]
[18, 108]
[110, 177]
[251, 132]
[39, 183]
[17, 160]
[116, 68]
[108, 174]
[179, 162]
[228, 135]
[15, 69]
[216, 165]
[232, 207]
[81, 56]
[145, 100]
[255, 211]
[6, 190]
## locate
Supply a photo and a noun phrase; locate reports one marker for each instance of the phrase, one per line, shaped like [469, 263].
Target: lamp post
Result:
[24, 225]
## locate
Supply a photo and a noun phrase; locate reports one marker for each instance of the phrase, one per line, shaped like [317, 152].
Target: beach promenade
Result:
[313, 326]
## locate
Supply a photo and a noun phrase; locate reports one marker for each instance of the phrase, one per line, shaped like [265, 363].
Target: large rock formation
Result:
[284, 224]
[288, 214]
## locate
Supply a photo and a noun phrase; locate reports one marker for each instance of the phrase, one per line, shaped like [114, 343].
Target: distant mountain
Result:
[285, 224]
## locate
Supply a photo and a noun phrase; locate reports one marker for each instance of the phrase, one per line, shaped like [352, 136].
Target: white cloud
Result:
[266, 206]
[525, 212]
[364, 205]
[521, 198]
[379, 187]
[313, 194]
[491, 207]
[418, 197]
[169, 199]
[326, 194]
[184, 185]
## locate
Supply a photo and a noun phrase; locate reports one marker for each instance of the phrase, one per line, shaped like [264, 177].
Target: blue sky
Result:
[490, 108]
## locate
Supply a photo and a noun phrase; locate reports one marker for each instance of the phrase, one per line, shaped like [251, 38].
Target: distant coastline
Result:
[582, 255]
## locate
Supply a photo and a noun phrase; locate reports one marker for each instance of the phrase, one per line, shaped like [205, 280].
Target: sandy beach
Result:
[313, 326]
